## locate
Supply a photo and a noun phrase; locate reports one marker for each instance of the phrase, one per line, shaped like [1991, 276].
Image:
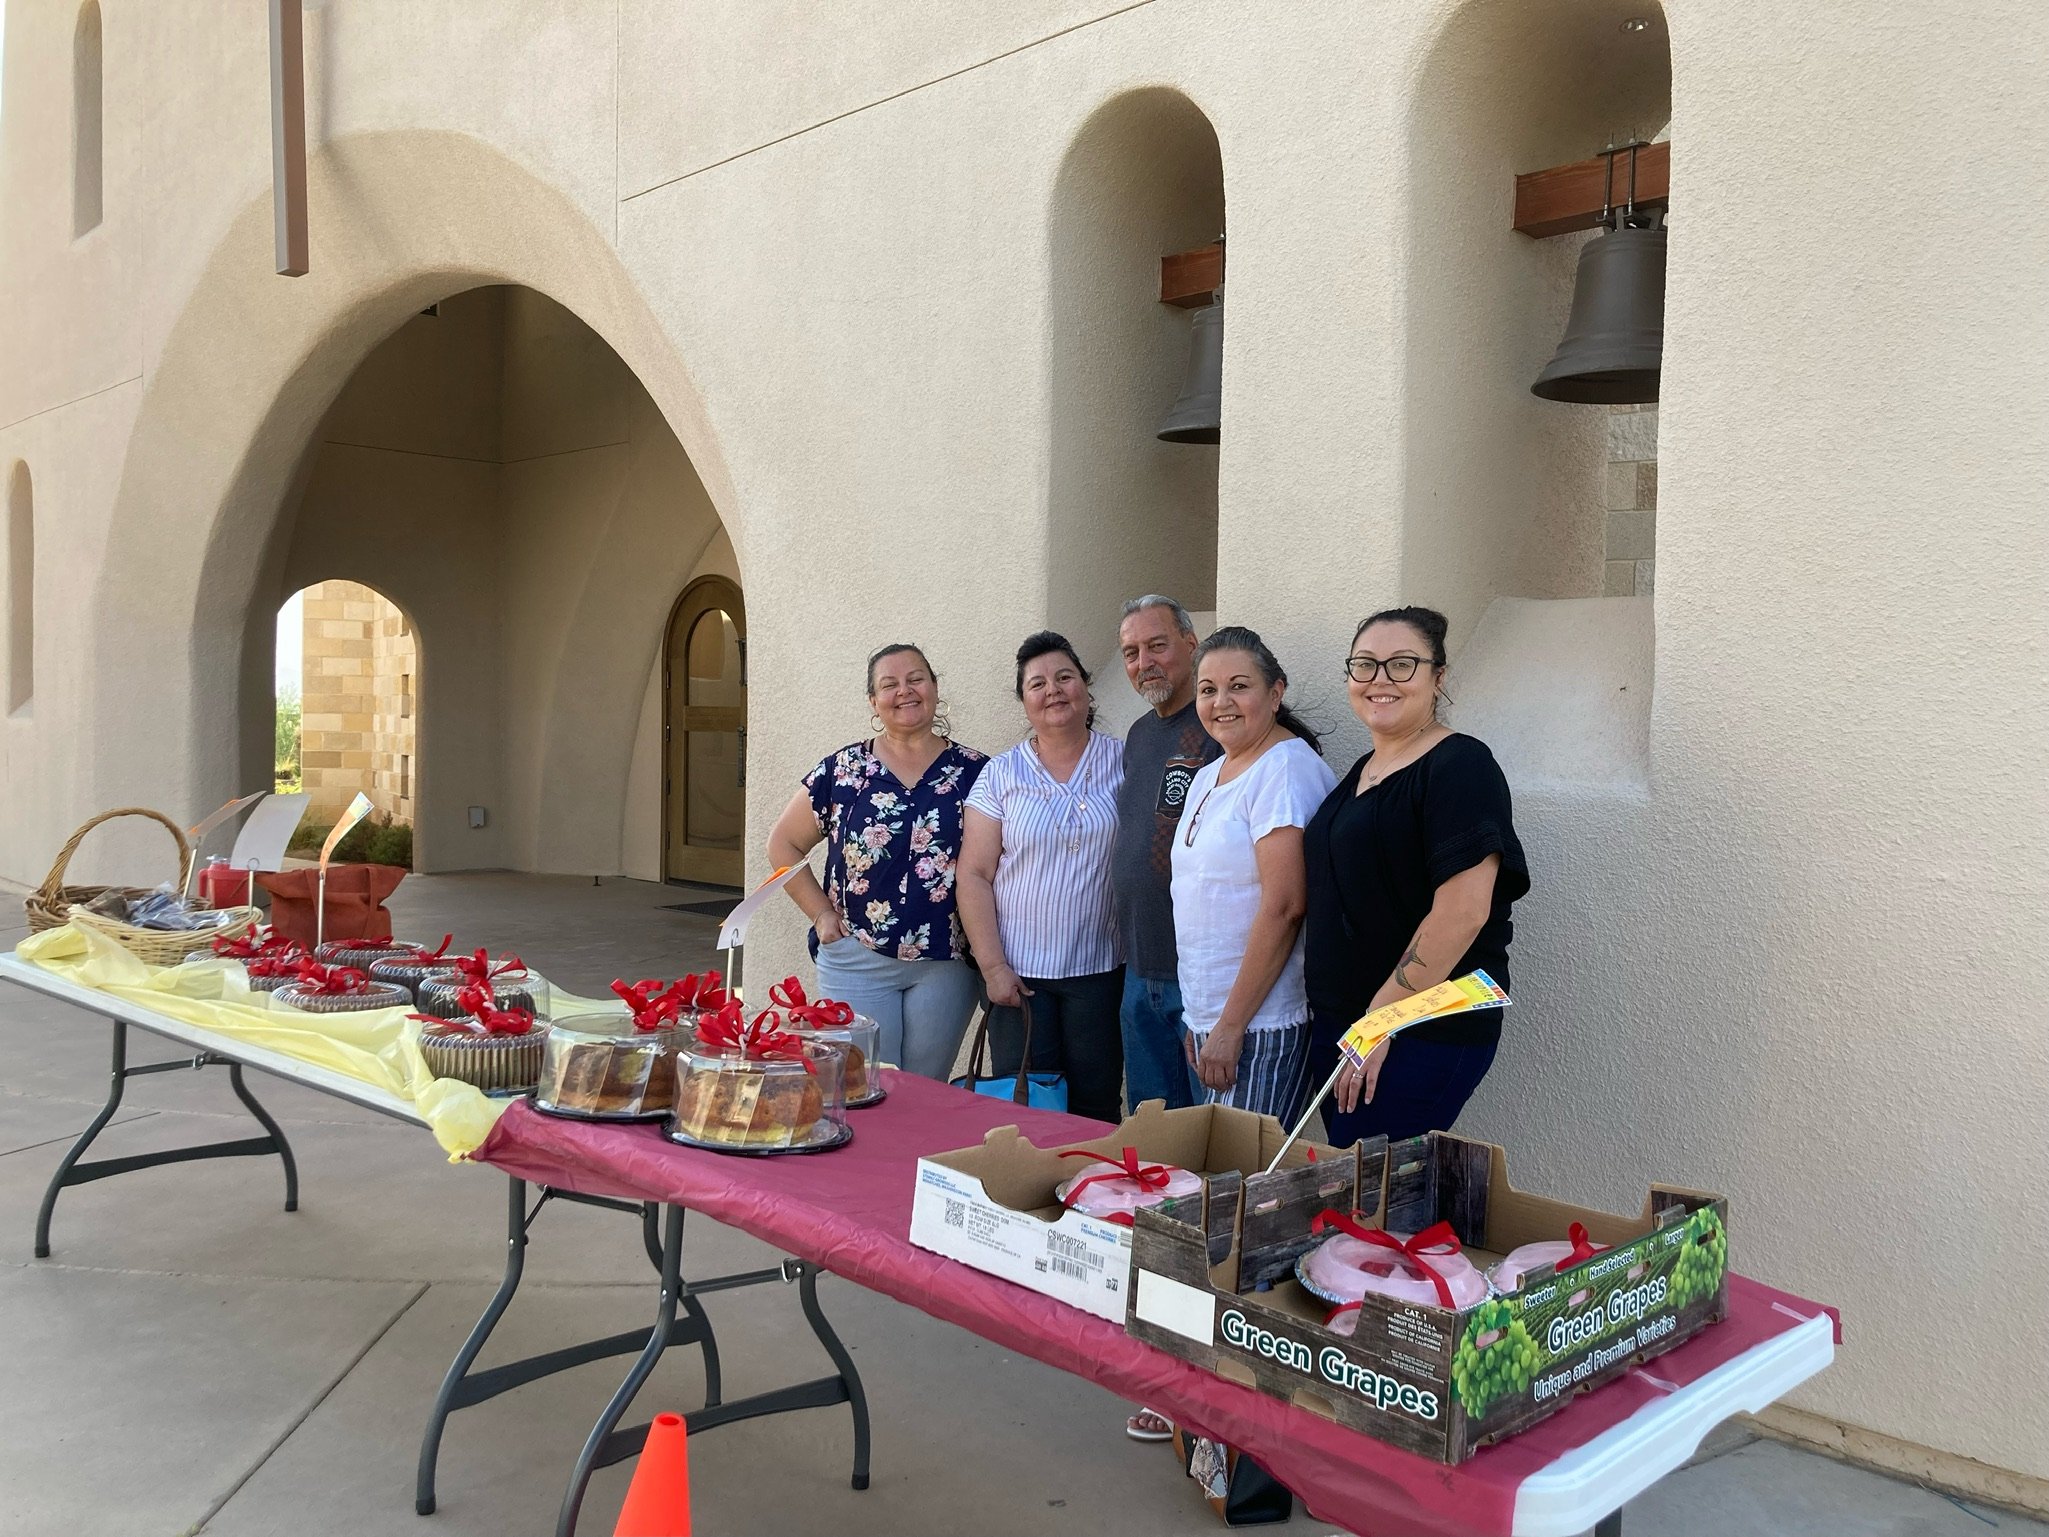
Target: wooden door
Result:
[704, 735]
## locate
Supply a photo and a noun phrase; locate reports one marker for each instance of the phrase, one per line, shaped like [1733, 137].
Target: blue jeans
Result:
[1423, 1086]
[1155, 1065]
[922, 1006]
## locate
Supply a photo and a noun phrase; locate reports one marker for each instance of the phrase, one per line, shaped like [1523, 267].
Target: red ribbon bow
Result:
[653, 1006]
[277, 957]
[478, 967]
[423, 953]
[331, 981]
[484, 1019]
[1582, 1247]
[707, 992]
[758, 1038]
[1437, 1239]
[824, 1014]
[1151, 1176]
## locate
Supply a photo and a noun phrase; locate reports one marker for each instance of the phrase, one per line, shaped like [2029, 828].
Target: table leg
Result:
[445, 1401]
[72, 1172]
[644, 1364]
[1609, 1525]
[857, 1397]
[117, 1085]
[277, 1134]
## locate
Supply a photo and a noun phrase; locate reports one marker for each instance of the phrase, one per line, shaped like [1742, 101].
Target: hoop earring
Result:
[874, 723]
[942, 724]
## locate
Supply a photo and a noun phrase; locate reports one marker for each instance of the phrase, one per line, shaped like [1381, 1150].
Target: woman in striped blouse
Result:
[1034, 884]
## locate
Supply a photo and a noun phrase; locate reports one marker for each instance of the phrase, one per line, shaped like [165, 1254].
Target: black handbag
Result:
[1239, 1490]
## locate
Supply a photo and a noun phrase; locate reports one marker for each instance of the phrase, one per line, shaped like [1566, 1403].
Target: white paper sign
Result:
[733, 932]
[359, 808]
[262, 842]
[198, 833]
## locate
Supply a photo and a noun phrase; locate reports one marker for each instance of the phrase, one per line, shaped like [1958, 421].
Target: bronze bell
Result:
[1198, 415]
[1615, 339]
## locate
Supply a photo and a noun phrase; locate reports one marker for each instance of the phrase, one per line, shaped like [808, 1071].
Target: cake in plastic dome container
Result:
[1543, 1257]
[496, 1050]
[825, 1019]
[409, 966]
[319, 989]
[753, 1087]
[605, 1067]
[1122, 1185]
[361, 953]
[452, 992]
[1426, 1269]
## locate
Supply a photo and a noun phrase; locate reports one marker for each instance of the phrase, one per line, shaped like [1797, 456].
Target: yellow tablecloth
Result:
[379, 1047]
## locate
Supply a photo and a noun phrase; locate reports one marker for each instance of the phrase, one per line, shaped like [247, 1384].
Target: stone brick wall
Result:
[1632, 502]
[358, 684]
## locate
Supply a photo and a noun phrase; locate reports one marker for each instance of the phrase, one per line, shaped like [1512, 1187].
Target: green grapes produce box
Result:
[1215, 1282]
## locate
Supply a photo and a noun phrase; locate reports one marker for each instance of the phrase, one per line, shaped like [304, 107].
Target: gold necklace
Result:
[1410, 740]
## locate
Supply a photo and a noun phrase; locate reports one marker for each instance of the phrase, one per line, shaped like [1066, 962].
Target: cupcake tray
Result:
[839, 1135]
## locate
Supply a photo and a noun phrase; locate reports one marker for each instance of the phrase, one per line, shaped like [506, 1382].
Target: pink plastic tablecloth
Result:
[850, 1212]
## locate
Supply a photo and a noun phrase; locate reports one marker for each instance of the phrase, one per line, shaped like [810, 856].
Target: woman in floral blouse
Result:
[885, 930]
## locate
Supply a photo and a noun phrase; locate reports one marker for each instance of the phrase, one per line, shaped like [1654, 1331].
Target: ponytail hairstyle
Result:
[1236, 637]
[1426, 622]
[1048, 643]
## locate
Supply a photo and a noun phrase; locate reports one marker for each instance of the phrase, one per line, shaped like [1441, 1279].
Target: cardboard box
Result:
[993, 1206]
[1215, 1284]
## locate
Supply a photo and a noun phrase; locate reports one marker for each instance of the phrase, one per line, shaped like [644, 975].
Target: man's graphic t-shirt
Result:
[1161, 758]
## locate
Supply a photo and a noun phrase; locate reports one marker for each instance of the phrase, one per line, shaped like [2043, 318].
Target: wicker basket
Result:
[54, 904]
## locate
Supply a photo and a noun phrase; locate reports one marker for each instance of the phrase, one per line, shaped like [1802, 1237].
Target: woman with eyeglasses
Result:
[1413, 865]
[1238, 883]
[1035, 893]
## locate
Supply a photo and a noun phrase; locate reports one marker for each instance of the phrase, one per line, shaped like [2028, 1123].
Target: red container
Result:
[224, 886]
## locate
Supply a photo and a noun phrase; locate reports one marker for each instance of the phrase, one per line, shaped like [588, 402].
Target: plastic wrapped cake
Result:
[1427, 1269]
[751, 1086]
[319, 989]
[270, 960]
[361, 953]
[410, 966]
[605, 1068]
[1117, 1188]
[826, 1019]
[453, 992]
[496, 1050]
[1543, 1257]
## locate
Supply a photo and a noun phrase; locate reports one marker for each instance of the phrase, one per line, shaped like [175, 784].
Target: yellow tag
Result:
[1476, 990]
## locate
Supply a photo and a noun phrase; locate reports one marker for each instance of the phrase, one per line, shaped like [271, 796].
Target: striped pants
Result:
[1273, 1073]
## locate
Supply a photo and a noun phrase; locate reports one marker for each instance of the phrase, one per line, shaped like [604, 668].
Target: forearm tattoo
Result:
[1401, 970]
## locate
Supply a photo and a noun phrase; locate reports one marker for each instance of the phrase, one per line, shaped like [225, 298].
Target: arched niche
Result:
[1126, 513]
[87, 120]
[1506, 496]
[231, 437]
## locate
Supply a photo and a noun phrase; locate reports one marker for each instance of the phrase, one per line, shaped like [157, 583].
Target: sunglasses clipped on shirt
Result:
[1399, 669]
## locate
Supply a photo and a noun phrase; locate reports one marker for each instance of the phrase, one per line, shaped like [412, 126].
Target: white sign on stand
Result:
[358, 809]
[196, 834]
[733, 932]
[262, 842]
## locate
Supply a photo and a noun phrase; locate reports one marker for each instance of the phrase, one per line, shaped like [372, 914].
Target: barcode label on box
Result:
[1072, 1257]
[957, 1214]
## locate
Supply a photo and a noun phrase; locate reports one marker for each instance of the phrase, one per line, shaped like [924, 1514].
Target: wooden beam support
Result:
[1566, 198]
[288, 136]
[1188, 278]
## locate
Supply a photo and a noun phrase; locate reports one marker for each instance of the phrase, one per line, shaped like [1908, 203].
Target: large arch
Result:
[246, 374]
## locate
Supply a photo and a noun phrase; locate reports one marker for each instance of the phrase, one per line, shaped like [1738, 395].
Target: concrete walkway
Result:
[192, 1359]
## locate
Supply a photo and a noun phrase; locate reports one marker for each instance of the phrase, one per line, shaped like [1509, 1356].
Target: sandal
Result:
[1146, 1425]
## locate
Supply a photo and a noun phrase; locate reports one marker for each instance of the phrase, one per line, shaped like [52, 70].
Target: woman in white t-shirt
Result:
[1239, 888]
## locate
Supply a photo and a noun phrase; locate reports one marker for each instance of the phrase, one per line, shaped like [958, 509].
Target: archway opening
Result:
[348, 672]
[704, 735]
[1127, 513]
[494, 484]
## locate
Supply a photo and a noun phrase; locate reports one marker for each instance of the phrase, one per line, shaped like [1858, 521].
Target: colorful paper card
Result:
[1475, 990]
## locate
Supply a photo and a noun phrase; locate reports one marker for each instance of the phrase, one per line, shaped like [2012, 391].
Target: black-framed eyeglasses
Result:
[1399, 669]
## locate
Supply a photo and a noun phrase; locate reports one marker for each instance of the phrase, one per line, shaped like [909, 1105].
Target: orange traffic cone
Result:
[658, 1500]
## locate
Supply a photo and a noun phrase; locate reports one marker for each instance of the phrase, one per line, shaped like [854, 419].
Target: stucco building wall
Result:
[1798, 836]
